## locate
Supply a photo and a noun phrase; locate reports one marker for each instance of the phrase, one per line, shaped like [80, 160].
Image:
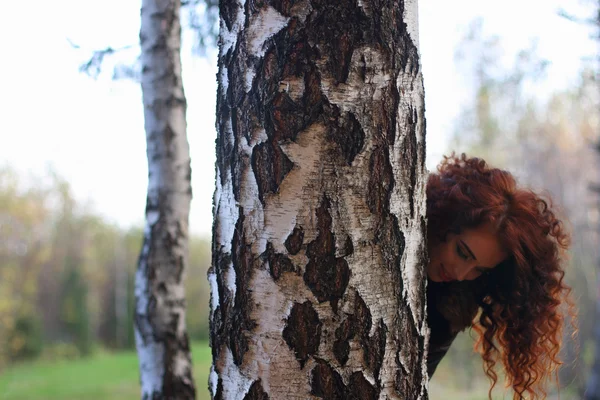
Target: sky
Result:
[91, 132]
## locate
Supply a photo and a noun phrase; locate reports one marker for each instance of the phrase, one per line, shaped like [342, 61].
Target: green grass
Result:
[104, 376]
[114, 376]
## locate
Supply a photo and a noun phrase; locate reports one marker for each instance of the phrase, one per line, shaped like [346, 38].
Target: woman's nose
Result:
[464, 271]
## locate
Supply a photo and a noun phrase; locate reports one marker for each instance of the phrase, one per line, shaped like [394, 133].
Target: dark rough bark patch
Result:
[173, 323]
[380, 182]
[216, 333]
[400, 383]
[174, 384]
[325, 275]
[348, 248]
[282, 117]
[362, 315]
[302, 331]
[256, 392]
[342, 58]
[294, 241]
[236, 68]
[363, 68]
[374, 348]
[325, 382]
[341, 345]
[270, 166]
[224, 147]
[228, 10]
[359, 388]
[410, 155]
[422, 150]
[386, 121]
[313, 100]
[267, 85]
[240, 314]
[244, 123]
[239, 161]
[284, 7]
[387, 230]
[229, 62]
[285, 117]
[278, 263]
[389, 234]
[253, 7]
[330, 29]
[358, 325]
[416, 342]
[295, 64]
[220, 324]
[348, 135]
[407, 53]
[219, 392]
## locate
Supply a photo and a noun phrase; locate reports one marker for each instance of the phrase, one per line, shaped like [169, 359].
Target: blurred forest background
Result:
[66, 270]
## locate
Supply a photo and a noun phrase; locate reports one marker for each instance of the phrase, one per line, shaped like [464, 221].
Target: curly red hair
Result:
[519, 318]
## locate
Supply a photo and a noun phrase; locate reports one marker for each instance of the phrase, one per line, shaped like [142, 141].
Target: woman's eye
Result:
[461, 253]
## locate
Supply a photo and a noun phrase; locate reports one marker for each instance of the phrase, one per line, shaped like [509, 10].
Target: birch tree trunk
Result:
[161, 338]
[317, 277]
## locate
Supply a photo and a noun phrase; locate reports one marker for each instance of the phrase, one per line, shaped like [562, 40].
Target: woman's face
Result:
[465, 256]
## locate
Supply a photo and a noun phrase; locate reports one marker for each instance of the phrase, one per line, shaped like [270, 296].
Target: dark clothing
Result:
[446, 302]
[440, 336]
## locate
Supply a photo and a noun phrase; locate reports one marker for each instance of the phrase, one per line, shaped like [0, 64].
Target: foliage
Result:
[197, 289]
[66, 275]
[25, 340]
[24, 249]
[199, 17]
[202, 17]
[74, 310]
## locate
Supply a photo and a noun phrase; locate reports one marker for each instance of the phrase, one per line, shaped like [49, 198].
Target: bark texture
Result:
[161, 338]
[317, 280]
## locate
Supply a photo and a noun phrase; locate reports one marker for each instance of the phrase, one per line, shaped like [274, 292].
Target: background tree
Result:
[23, 250]
[592, 389]
[160, 325]
[318, 238]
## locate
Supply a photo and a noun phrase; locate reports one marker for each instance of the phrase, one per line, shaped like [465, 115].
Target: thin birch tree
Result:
[317, 275]
[160, 331]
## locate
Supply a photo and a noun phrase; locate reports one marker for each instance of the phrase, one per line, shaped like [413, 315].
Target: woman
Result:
[496, 266]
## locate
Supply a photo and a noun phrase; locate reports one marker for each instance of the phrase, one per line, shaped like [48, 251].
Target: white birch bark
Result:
[160, 331]
[317, 283]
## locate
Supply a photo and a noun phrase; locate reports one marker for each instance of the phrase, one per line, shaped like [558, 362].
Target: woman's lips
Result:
[444, 275]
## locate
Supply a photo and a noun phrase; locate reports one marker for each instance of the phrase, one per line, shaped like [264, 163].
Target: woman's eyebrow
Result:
[469, 250]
